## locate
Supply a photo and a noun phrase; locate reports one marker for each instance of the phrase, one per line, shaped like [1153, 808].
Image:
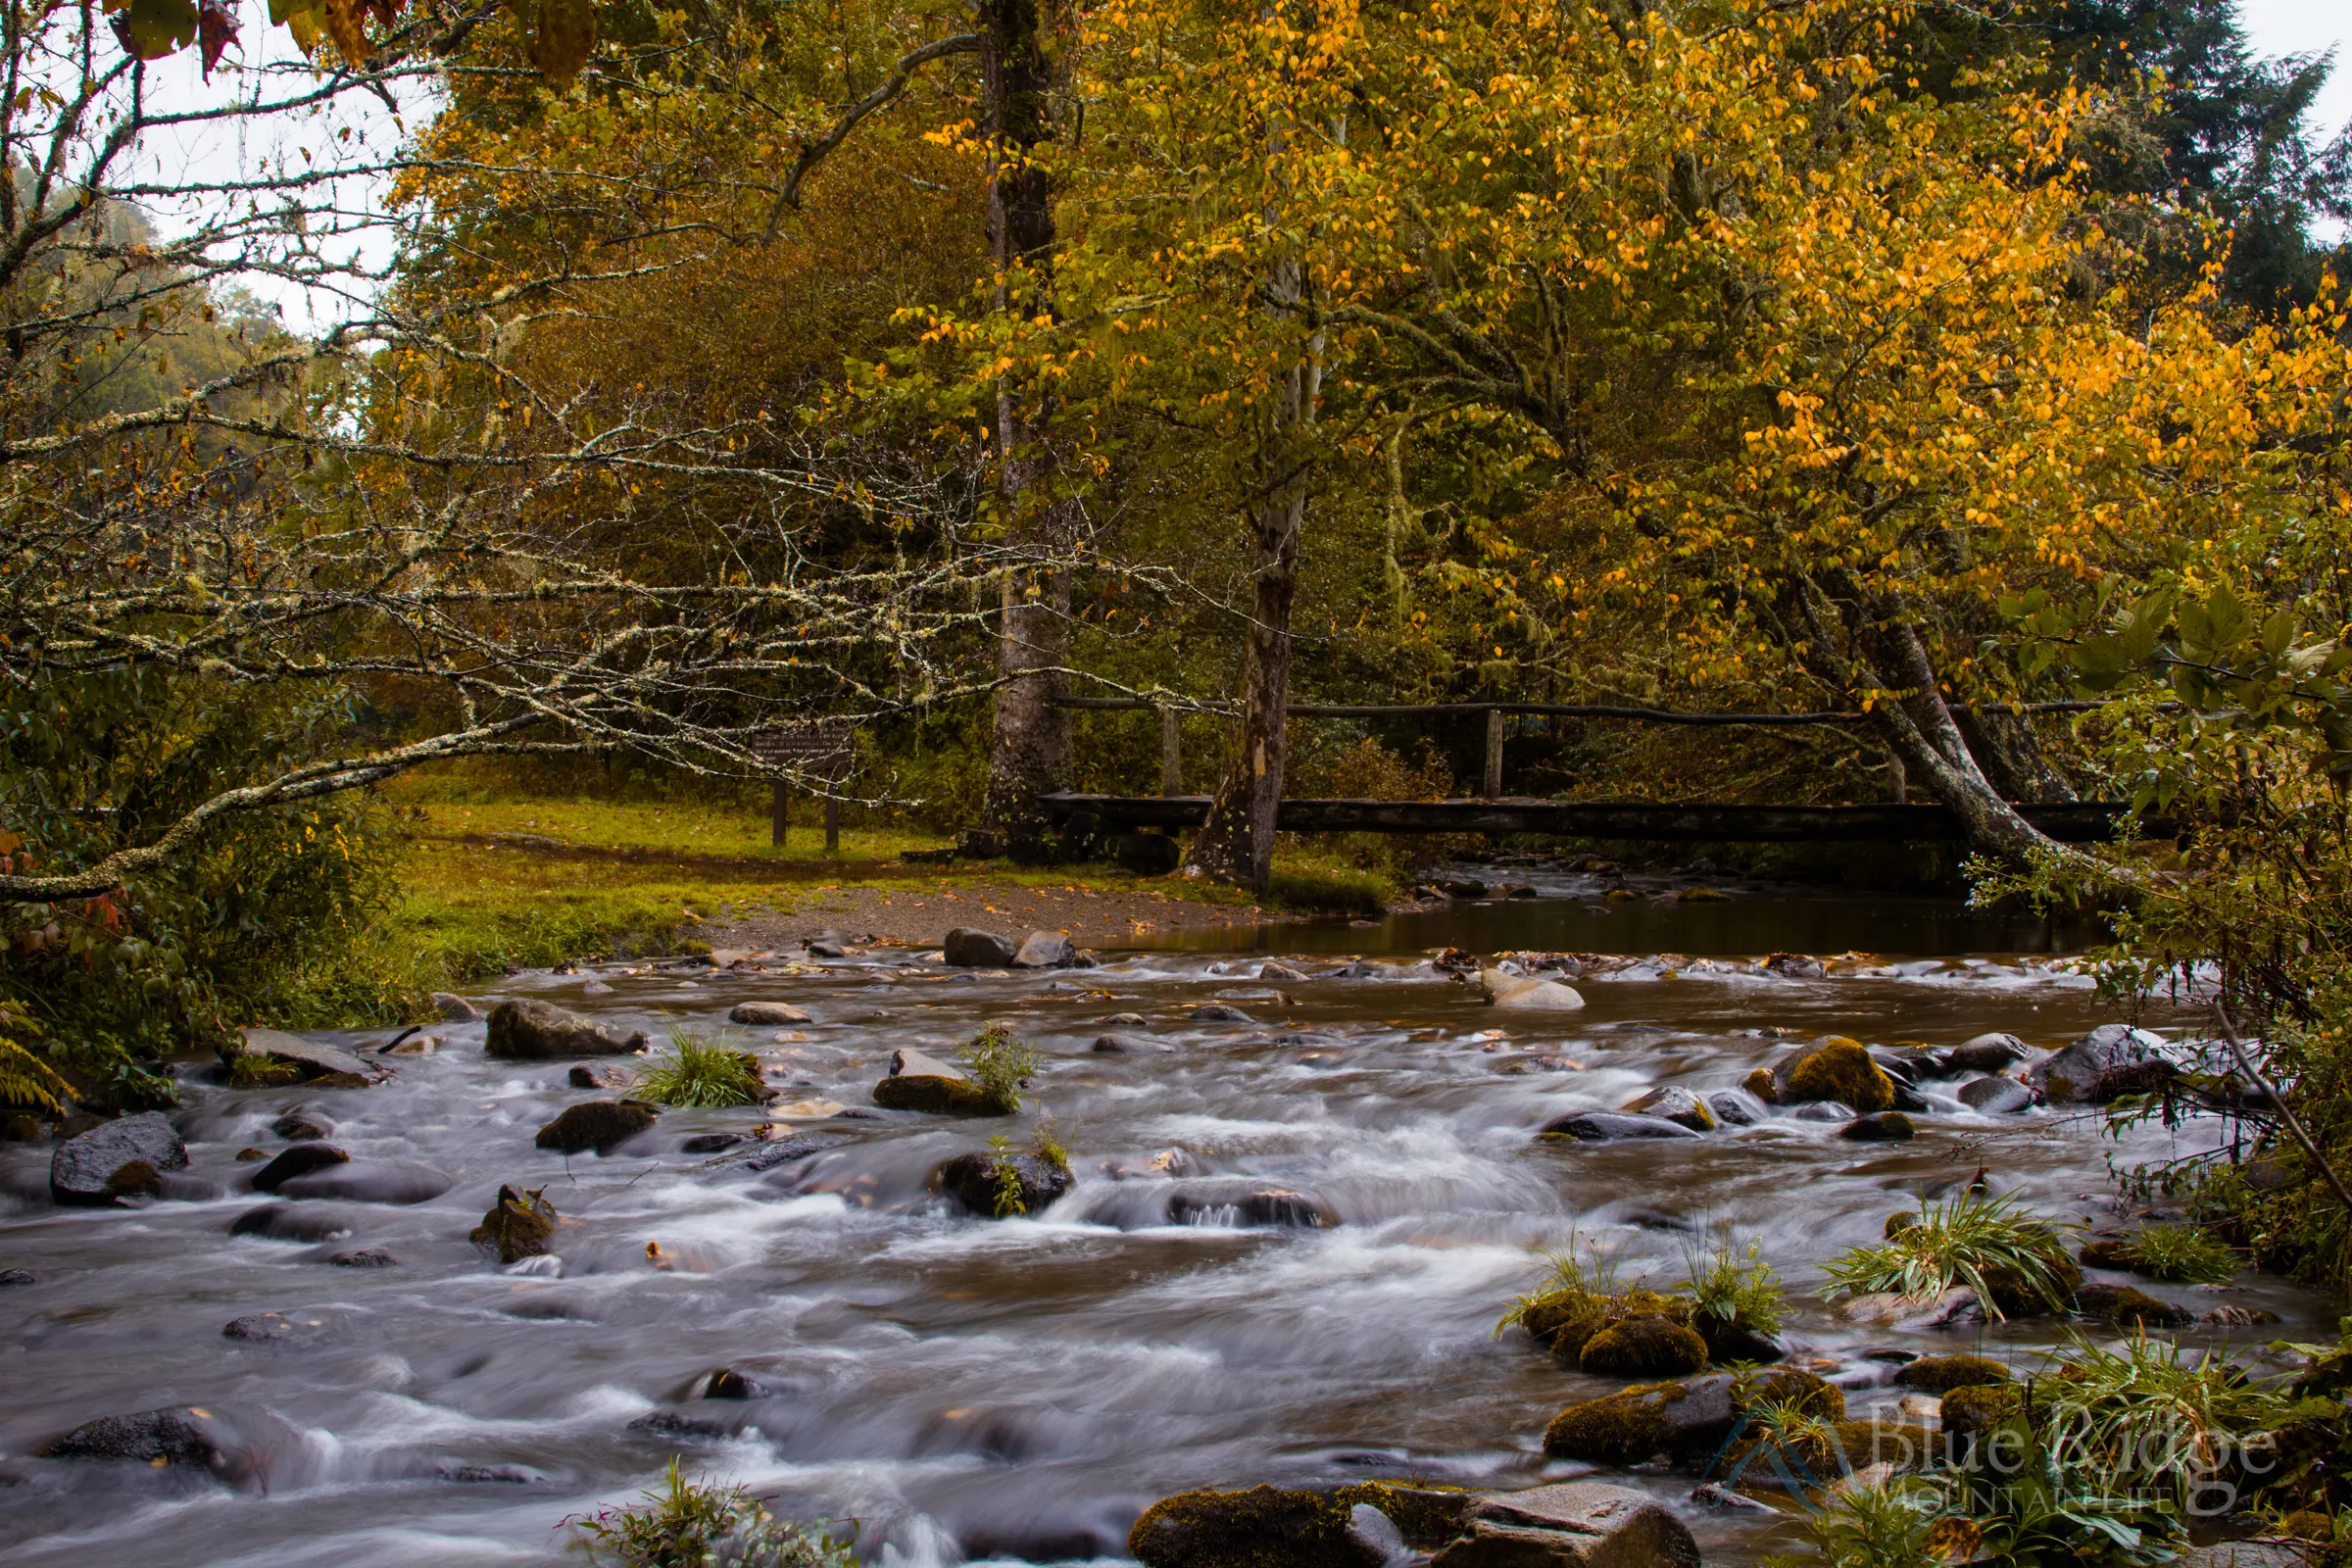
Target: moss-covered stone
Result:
[1643, 1347]
[1976, 1408]
[1941, 1374]
[1565, 1321]
[518, 1225]
[1837, 1068]
[1907, 1447]
[2017, 1298]
[1263, 1527]
[2114, 1252]
[2124, 1306]
[1425, 1515]
[1899, 1222]
[1759, 1084]
[1688, 1418]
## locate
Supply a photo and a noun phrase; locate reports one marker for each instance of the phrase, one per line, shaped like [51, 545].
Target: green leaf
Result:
[154, 28]
[2278, 632]
[2227, 621]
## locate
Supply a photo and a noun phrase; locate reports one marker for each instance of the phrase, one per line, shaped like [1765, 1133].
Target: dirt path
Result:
[1093, 917]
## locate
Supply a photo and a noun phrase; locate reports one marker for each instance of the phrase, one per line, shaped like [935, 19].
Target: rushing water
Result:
[966, 1388]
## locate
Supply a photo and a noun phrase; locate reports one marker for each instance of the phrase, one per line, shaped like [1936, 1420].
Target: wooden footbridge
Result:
[1492, 811]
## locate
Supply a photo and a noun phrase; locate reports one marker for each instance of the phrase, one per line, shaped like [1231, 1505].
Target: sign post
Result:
[818, 747]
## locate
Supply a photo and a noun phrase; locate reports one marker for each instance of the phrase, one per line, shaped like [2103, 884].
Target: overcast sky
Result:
[2307, 27]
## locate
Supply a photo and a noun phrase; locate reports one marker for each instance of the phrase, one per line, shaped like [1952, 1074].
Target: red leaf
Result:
[215, 31]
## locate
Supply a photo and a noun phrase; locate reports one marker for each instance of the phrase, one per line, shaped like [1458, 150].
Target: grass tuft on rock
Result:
[1001, 1063]
[2181, 1254]
[2012, 1259]
[1733, 1289]
[701, 1071]
[686, 1522]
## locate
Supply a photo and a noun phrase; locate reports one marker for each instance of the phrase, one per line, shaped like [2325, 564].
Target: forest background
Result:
[672, 373]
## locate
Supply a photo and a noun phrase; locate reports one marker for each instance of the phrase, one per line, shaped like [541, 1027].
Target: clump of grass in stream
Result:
[1735, 1287]
[1984, 1242]
[700, 1071]
[1001, 1065]
[2185, 1254]
[1583, 1269]
[2155, 1416]
[1007, 1199]
[688, 1523]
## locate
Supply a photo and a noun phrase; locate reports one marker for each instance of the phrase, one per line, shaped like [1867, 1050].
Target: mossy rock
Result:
[2124, 1306]
[1838, 1069]
[1263, 1527]
[1643, 1347]
[1688, 1418]
[1760, 1084]
[518, 1225]
[1941, 1374]
[1563, 1322]
[1425, 1515]
[1908, 1446]
[1976, 1408]
[2016, 1298]
[2113, 1251]
[1899, 1222]
[1825, 1451]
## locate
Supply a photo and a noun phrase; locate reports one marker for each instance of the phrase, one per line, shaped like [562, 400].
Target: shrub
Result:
[1737, 1290]
[2185, 1254]
[1001, 1065]
[700, 1071]
[1976, 1239]
[1581, 1271]
[688, 1523]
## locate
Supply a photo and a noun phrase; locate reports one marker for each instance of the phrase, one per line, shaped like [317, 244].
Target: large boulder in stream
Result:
[518, 1225]
[1686, 1420]
[1678, 1106]
[1833, 1069]
[1226, 1207]
[530, 1030]
[1361, 1526]
[1608, 1127]
[281, 1055]
[969, 948]
[232, 1445]
[918, 1082]
[1575, 1524]
[2105, 1065]
[994, 1185]
[85, 1168]
[1045, 950]
[603, 1125]
[1527, 993]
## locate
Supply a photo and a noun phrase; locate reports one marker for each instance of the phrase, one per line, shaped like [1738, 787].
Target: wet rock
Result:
[2111, 1060]
[2250, 1555]
[1263, 1206]
[271, 1328]
[137, 1178]
[1575, 1524]
[1045, 950]
[455, 1009]
[365, 1257]
[711, 1143]
[518, 1225]
[787, 1150]
[183, 1435]
[1643, 1347]
[1886, 1127]
[687, 1424]
[1001, 1185]
[1759, 1083]
[1218, 1012]
[1795, 966]
[531, 1030]
[1731, 1108]
[826, 947]
[1729, 1342]
[1713, 1494]
[1678, 1106]
[603, 1125]
[1127, 1020]
[969, 948]
[1970, 1411]
[1607, 1127]
[2230, 1316]
[1687, 1419]
[302, 1125]
[1264, 1527]
[1527, 993]
[2124, 1306]
[1274, 970]
[918, 1082]
[1823, 1110]
[765, 1014]
[2112, 1252]
[13, 1277]
[728, 1384]
[289, 1222]
[84, 1165]
[1996, 1097]
[300, 1160]
[1990, 1054]
[1837, 1069]
[1941, 1374]
[311, 1061]
[1127, 1045]
[371, 1181]
[251, 1157]
[1462, 887]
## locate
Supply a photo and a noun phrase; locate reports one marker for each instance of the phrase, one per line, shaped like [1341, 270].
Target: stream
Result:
[955, 1390]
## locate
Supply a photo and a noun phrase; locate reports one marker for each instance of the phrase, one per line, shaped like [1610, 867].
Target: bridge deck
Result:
[2071, 823]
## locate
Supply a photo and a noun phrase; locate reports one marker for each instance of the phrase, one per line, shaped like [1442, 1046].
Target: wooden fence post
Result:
[775, 817]
[1493, 779]
[1171, 753]
[832, 825]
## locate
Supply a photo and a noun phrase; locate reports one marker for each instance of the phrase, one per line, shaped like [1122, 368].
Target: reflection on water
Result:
[966, 1388]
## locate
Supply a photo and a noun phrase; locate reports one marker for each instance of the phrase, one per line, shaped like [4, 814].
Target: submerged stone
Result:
[603, 1125]
[531, 1030]
[300, 1160]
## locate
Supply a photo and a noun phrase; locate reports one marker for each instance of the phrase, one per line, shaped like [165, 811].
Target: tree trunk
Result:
[1029, 747]
[2011, 754]
[1237, 845]
[1920, 730]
